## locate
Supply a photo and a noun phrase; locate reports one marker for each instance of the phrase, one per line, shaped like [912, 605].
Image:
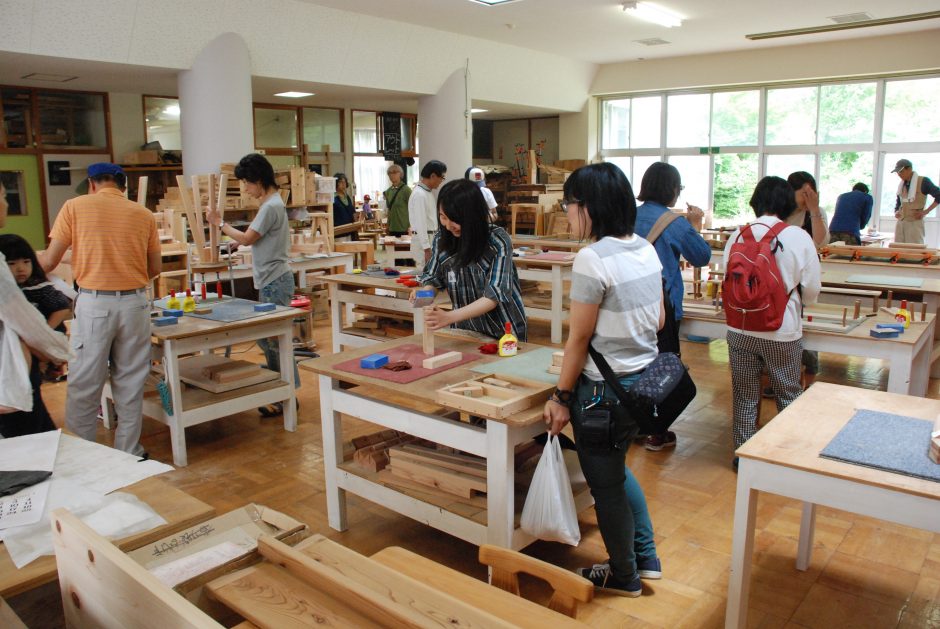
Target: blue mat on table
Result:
[228, 310]
[884, 441]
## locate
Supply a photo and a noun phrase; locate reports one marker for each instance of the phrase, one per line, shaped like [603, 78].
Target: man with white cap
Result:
[115, 254]
[909, 206]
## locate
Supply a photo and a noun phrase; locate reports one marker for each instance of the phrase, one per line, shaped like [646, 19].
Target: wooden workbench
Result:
[555, 273]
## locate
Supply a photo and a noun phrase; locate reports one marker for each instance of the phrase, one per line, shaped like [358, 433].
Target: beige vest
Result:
[909, 207]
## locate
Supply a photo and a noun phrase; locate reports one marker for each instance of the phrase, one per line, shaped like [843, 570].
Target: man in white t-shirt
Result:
[422, 211]
[476, 175]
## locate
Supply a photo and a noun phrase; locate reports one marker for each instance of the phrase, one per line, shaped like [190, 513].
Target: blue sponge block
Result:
[166, 321]
[884, 334]
[172, 312]
[264, 307]
[373, 362]
[423, 298]
[890, 326]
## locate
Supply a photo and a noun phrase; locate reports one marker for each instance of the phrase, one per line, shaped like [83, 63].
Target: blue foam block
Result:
[172, 312]
[890, 326]
[884, 334]
[373, 361]
[423, 298]
[166, 321]
[264, 307]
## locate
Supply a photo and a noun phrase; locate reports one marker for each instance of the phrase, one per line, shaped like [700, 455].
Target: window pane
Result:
[687, 120]
[616, 124]
[275, 128]
[926, 164]
[364, 132]
[72, 120]
[162, 121]
[695, 173]
[17, 118]
[640, 165]
[735, 179]
[407, 137]
[322, 126]
[791, 116]
[846, 113]
[838, 172]
[783, 165]
[623, 163]
[645, 122]
[734, 118]
[907, 104]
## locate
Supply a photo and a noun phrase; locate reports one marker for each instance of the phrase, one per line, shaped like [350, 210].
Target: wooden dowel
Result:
[845, 313]
[858, 308]
[890, 297]
[923, 311]
[213, 230]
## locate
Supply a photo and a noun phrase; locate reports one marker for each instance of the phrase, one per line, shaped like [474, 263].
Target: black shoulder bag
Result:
[657, 398]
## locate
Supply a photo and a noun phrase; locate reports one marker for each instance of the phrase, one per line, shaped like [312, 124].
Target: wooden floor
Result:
[864, 573]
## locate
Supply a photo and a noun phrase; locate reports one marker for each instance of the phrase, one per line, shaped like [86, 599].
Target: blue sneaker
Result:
[603, 579]
[649, 568]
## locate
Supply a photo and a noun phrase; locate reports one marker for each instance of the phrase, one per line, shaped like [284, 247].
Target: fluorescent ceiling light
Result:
[294, 94]
[653, 13]
[478, 111]
[493, 3]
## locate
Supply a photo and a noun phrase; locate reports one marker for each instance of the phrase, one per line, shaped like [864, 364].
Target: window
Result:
[695, 172]
[616, 124]
[369, 166]
[927, 164]
[365, 132]
[71, 120]
[846, 113]
[838, 172]
[791, 116]
[687, 123]
[735, 178]
[276, 128]
[322, 127]
[734, 118]
[782, 165]
[645, 122]
[911, 111]
[162, 122]
[17, 130]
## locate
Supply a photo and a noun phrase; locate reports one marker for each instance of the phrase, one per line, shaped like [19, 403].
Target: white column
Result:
[216, 119]
[445, 131]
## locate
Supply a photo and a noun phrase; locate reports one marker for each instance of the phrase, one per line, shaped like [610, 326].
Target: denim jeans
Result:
[277, 292]
[622, 515]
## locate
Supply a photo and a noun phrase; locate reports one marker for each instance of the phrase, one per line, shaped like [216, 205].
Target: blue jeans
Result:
[622, 515]
[277, 292]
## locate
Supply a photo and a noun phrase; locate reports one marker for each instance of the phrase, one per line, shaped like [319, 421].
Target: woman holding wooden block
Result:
[617, 307]
[472, 260]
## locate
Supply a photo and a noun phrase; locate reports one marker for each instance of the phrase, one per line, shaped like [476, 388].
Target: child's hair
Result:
[15, 247]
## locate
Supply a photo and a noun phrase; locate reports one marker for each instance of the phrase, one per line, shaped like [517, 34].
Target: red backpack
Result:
[755, 297]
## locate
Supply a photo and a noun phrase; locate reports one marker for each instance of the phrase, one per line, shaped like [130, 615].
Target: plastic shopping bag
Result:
[549, 511]
[15, 389]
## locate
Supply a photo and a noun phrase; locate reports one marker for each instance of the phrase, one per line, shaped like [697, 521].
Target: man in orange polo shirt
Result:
[115, 254]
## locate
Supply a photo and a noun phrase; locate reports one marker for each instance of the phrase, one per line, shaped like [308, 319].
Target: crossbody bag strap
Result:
[660, 225]
[395, 196]
[608, 374]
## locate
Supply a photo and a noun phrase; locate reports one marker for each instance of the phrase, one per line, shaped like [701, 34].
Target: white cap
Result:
[477, 175]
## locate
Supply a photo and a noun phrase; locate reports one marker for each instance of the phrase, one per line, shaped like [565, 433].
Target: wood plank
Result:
[474, 466]
[446, 480]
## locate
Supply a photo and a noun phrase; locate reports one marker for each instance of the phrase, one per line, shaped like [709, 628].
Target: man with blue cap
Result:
[115, 254]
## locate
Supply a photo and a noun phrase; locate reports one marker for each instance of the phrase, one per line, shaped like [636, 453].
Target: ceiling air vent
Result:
[848, 18]
[652, 41]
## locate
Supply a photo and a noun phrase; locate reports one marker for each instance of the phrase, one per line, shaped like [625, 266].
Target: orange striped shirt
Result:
[110, 238]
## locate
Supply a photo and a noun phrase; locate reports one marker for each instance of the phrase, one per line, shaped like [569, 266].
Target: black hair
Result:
[606, 195]
[120, 180]
[434, 167]
[254, 168]
[860, 187]
[15, 247]
[660, 184]
[342, 176]
[463, 203]
[801, 177]
[773, 196]
[466, 173]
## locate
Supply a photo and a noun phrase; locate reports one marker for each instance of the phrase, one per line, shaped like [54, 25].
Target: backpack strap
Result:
[660, 225]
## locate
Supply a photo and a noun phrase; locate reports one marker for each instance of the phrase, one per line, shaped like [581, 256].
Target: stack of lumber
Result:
[383, 322]
[371, 451]
[230, 371]
[459, 474]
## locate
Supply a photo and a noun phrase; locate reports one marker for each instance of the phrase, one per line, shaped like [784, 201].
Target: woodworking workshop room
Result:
[469, 314]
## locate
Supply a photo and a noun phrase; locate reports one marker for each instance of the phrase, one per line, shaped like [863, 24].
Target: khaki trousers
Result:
[909, 231]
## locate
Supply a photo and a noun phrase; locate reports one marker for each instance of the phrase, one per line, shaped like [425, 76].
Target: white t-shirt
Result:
[490, 199]
[422, 215]
[623, 276]
[798, 263]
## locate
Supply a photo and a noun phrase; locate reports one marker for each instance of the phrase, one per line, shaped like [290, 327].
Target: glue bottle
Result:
[172, 303]
[508, 344]
[903, 315]
[189, 304]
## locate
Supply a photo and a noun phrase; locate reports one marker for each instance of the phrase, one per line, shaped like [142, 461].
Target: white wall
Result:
[58, 195]
[506, 134]
[577, 133]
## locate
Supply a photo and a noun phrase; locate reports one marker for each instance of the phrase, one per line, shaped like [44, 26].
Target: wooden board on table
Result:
[191, 372]
[497, 401]
[885, 280]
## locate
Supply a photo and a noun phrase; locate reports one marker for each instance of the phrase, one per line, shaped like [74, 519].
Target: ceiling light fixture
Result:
[52, 78]
[493, 3]
[915, 17]
[653, 13]
[294, 94]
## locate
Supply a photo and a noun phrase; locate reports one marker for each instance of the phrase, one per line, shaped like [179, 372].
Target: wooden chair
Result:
[505, 566]
[526, 213]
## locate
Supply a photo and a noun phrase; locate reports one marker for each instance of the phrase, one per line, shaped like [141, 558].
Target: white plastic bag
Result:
[549, 512]
[15, 389]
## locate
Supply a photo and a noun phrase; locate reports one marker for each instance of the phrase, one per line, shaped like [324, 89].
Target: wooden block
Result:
[446, 480]
[202, 311]
[557, 358]
[374, 438]
[366, 324]
[470, 391]
[238, 373]
[436, 362]
[552, 369]
[496, 382]
[428, 344]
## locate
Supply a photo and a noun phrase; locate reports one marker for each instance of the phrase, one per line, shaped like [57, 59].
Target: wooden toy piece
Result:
[436, 362]
[845, 314]
[858, 308]
[202, 311]
[198, 210]
[923, 311]
[552, 369]
[161, 321]
[469, 390]
[934, 451]
[423, 298]
[557, 358]
[369, 324]
[187, 200]
[496, 401]
[373, 361]
[265, 307]
[428, 344]
[890, 297]
[876, 304]
[496, 382]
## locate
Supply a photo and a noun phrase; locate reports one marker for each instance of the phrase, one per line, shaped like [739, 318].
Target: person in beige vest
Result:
[912, 197]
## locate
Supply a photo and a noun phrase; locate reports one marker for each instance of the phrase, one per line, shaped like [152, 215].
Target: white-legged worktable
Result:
[555, 273]
[783, 459]
[496, 441]
[299, 265]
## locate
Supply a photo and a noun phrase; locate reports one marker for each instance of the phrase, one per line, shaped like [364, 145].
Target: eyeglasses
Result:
[565, 203]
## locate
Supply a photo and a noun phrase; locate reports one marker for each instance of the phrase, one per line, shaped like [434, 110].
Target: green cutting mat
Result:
[531, 365]
[885, 280]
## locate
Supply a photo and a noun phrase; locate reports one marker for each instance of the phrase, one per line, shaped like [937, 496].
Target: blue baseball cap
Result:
[104, 168]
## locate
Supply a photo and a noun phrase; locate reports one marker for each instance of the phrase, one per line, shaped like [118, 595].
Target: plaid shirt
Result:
[493, 276]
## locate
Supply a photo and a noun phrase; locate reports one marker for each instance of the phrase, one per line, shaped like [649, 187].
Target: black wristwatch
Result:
[563, 397]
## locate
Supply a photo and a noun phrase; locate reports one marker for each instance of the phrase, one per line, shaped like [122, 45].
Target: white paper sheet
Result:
[29, 452]
[101, 468]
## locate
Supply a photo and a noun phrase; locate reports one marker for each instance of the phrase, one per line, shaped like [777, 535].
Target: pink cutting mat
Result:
[414, 354]
[561, 257]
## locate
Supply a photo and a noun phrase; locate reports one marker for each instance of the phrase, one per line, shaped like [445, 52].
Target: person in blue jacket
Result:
[853, 211]
[659, 190]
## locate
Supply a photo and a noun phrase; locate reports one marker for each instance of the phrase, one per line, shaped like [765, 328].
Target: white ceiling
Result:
[596, 31]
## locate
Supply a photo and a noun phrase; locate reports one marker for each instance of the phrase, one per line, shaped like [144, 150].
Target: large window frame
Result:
[878, 148]
[33, 123]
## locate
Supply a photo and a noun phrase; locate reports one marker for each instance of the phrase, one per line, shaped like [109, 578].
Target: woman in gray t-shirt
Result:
[269, 238]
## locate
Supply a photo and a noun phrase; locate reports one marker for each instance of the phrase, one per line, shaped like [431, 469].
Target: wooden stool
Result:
[525, 209]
